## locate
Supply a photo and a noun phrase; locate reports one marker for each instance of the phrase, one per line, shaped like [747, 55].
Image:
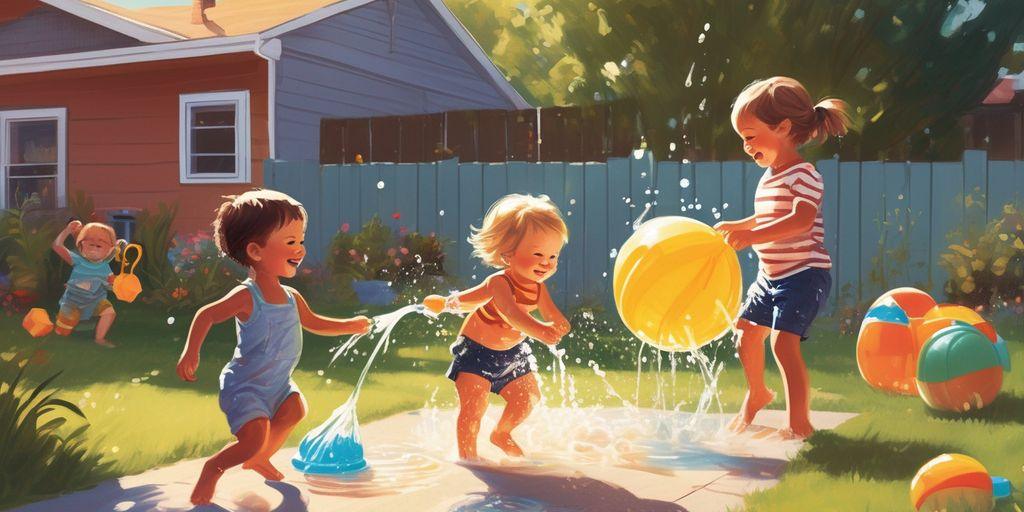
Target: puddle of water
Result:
[497, 503]
[392, 469]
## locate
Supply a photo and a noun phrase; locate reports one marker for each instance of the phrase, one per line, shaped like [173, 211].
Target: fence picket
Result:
[471, 213]
[947, 215]
[920, 254]
[573, 261]
[595, 226]
[448, 213]
[847, 288]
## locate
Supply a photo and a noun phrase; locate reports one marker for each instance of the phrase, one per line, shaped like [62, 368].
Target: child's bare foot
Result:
[754, 402]
[264, 468]
[103, 342]
[790, 434]
[508, 445]
[203, 492]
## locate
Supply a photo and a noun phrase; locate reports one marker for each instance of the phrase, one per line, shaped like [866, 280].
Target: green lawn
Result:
[143, 416]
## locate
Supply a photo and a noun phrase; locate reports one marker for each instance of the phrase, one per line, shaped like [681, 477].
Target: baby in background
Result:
[85, 294]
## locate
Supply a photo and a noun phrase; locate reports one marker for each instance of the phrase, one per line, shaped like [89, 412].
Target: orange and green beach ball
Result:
[960, 369]
[952, 481]
[887, 345]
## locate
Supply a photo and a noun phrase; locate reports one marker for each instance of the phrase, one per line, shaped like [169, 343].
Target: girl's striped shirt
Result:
[775, 198]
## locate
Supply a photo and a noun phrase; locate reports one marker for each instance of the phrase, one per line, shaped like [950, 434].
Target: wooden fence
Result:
[886, 222]
[566, 134]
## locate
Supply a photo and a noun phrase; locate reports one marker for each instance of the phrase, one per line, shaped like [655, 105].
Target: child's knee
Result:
[293, 409]
[67, 319]
[253, 435]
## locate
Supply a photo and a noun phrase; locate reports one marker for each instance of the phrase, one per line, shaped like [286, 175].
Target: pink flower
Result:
[345, 227]
[396, 215]
[398, 262]
[404, 250]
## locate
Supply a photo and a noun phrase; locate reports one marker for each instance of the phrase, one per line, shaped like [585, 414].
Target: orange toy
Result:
[887, 347]
[959, 370]
[37, 323]
[126, 284]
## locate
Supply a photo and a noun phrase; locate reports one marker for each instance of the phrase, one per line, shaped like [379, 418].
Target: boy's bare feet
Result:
[802, 431]
[508, 445]
[103, 342]
[264, 468]
[203, 492]
[754, 402]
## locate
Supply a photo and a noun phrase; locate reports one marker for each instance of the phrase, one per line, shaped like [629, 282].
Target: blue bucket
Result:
[374, 293]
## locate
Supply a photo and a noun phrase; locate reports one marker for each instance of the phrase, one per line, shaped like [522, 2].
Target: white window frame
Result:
[243, 142]
[39, 114]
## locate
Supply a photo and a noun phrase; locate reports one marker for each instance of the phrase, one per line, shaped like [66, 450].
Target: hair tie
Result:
[819, 111]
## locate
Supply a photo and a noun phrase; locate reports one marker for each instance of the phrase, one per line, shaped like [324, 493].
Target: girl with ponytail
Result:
[774, 118]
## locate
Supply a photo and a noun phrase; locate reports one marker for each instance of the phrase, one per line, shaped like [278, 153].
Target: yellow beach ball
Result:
[677, 284]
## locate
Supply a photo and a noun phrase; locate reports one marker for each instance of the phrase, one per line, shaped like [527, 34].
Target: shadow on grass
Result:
[1006, 408]
[869, 457]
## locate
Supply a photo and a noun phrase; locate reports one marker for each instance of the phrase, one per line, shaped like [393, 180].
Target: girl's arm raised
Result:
[237, 303]
[550, 311]
[501, 291]
[325, 325]
[58, 243]
[727, 226]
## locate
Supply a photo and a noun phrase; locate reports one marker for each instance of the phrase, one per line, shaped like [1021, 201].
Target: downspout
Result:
[271, 51]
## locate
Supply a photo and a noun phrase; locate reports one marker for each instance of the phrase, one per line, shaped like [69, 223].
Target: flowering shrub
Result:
[200, 274]
[987, 268]
[377, 252]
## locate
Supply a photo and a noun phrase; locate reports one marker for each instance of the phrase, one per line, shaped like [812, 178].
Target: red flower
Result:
[345, 227]
[404, 250]
[396, 215]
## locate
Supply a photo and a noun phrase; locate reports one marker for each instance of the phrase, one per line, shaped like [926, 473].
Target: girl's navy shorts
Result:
[789, 304]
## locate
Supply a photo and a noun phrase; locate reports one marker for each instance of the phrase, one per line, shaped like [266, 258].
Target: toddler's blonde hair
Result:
[508, 220]
[95, 227]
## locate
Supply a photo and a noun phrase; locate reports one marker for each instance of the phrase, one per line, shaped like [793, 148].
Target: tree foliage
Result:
[909, 68]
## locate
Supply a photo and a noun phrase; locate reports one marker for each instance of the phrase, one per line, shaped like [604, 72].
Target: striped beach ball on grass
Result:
[952, 482]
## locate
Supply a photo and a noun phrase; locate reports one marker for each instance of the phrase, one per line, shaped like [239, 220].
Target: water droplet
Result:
[724, 206]
[441, 213]
[170, 320]
[700, 38]
[697, 206]
[604, 274]
[672, 146]
[572, 201]
[684, 183]
[380, 185]
[613, 253]
[689, 79]
[707, 26]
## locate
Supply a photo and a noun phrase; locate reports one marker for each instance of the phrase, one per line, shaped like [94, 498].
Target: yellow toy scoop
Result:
[127, 285]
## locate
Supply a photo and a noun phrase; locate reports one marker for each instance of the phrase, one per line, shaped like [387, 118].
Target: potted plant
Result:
[377, 262]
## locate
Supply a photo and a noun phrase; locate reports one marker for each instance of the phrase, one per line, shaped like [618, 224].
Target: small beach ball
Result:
[952, 481]
[959, 369]
[944, 315]
[677, 284]
[886, 346]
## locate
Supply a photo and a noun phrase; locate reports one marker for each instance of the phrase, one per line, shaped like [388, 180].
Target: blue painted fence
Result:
[886, 222]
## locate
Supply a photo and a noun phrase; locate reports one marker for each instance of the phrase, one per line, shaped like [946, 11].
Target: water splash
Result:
[335, 447]
[640, 220]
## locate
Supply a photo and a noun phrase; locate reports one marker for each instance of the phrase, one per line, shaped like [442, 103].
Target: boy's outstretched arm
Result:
[551, 313]
[237, 302]
[501, 292]
[58, 243]
[470, 299]
[325, 325]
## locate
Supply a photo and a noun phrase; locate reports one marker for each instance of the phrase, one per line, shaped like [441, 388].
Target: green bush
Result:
[986, 268]
[32, 267]
[153, 232]
[198, 274]
[376, 252]
[37, 457]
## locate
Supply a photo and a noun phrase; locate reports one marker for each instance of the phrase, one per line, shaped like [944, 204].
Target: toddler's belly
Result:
[492, 336]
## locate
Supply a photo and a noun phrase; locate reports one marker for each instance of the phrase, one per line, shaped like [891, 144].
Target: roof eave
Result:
[116, 22]
[131, 54]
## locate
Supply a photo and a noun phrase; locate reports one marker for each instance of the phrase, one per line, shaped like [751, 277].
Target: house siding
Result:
[344, 67]
[46, 30]
[122, 128]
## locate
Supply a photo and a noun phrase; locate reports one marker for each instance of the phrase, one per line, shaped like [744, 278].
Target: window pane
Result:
[32, 192]
[33, 141]
[213, 164]
[214, 115]
[213, 140]
[16, 171]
